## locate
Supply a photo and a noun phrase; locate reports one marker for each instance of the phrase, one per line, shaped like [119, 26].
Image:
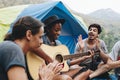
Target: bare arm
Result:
[104, 56]
[17, 73]
[113, 64]
[79, 60]
[99, 71]
[43, 55]
[106, 66]
[109, 64]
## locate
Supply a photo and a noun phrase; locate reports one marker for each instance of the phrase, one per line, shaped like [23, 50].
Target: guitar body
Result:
[52, 51]
[34, 61]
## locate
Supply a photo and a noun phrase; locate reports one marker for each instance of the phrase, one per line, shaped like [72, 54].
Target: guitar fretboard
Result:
[66, 57]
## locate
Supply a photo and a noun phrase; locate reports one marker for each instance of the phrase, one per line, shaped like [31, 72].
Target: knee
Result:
[83, 75]
[107, 67]
[62, 77]
[66, 77]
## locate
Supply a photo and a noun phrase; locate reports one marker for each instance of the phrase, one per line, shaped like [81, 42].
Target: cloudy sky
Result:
[87, 6]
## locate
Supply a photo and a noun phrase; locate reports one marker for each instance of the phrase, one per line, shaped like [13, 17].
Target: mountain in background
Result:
[107, 18]
[7, 3]
[106, 14]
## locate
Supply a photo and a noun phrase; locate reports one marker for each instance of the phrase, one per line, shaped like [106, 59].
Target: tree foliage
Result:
[110, 38]
[6, 3]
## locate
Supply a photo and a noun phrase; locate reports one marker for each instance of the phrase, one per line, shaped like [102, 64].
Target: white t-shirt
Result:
[115, 53]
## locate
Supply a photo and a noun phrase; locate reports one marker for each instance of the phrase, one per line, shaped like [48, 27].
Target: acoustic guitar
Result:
[60, 53]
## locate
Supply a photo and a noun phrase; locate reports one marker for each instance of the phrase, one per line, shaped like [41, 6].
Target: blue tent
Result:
[72, 27]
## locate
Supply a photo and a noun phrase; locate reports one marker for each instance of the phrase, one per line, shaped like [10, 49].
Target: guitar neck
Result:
[71, 56]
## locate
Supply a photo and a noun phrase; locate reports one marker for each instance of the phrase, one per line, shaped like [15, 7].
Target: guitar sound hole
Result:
[59, 58]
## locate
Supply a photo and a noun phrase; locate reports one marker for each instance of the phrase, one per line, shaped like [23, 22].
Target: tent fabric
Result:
[7, 16]
[72, 27]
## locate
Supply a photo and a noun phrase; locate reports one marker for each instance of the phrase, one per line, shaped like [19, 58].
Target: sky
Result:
[88, 6]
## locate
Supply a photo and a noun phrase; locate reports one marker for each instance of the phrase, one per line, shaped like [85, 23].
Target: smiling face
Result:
[54, 32]
[93, 33]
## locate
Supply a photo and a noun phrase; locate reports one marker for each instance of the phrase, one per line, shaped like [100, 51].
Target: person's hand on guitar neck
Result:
[80, 42]
[48, 72]
[80, 59]
[90, 55]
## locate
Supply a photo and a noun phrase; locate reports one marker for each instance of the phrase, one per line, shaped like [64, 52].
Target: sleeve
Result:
[103, 46]
[13, 56]
[115, 51]
[58, 42]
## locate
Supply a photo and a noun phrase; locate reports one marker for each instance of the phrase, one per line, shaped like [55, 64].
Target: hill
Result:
[107, 18]
[106, 14]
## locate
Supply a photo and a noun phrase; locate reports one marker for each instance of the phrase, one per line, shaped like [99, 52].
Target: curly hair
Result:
[96, 26]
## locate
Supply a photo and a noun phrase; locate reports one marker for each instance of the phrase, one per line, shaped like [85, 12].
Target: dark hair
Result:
[96, 26]
[22, 25]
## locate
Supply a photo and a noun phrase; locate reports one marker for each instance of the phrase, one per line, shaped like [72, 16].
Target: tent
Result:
[72, 27]
[7, 16]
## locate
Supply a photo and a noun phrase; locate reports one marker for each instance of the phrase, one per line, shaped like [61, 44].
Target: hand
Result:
[87, 56]
[91, 54]
[80, 42]
[47, 72]
[97, 43]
